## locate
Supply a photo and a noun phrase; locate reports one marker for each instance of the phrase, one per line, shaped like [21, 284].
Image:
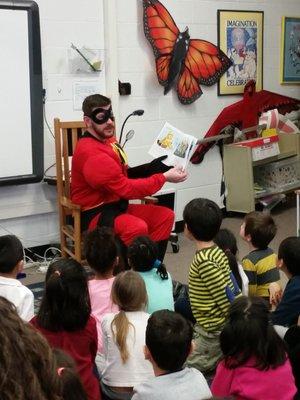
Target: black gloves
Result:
[156, 166]
[145, 170]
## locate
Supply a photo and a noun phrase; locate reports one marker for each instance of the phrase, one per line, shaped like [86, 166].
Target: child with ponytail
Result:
[255, 364]
[226, 240]
[64, 318]
[124, 338]
[69, 379]
[143, 258]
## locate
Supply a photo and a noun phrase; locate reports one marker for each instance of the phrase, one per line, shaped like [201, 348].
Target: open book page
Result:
[178, 146]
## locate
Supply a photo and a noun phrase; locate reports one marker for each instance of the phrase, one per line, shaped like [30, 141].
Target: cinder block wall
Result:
[136, 65]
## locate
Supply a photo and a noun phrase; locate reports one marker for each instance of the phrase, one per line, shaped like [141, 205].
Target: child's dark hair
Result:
[71, 385]
[203, 218]
[66, 303]
[11, 253]
[261, 227]
[289, 252]
[168, 338]
[292, 339]
[101, 249]
[226, 240]
[248, 333]
[142, 256]
[27, 367]
[129, 293]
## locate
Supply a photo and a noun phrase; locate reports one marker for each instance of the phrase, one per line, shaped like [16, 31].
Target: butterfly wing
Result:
[206, 61]
[159, 27]
[163, 69]
[188, 88]
[161, 32]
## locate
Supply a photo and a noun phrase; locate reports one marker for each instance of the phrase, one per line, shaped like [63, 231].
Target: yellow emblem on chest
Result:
[120, 152]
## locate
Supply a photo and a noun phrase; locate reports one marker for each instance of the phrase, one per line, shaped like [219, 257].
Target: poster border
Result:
[284, 79]
[222, 46]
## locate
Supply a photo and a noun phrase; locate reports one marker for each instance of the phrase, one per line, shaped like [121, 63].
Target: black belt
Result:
[108, 212]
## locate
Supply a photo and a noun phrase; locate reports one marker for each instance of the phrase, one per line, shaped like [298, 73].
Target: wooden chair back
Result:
[66, 137]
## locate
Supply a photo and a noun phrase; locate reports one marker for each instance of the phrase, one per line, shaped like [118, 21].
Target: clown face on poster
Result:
[240, 35]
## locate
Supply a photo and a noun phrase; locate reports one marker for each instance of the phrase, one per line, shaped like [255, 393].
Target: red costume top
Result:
[82, 347]
[99, 175]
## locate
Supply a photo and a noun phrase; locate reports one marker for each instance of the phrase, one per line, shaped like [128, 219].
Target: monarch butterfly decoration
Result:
[180, 60]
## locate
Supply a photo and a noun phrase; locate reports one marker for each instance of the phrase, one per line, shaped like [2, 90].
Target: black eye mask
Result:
[107, 114]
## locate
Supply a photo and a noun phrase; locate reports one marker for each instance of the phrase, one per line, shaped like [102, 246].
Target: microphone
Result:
[136, 112]
[129, 136]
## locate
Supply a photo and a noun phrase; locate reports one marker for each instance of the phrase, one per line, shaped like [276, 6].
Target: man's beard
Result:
[104, 133]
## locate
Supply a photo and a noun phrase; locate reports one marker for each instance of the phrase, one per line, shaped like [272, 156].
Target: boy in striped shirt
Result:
[258, 229]
[209, 283]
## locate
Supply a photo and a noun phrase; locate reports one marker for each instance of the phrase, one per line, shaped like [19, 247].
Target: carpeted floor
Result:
[37, 289]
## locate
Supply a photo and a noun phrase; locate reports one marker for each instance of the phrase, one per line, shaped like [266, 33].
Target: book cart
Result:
[248, 181]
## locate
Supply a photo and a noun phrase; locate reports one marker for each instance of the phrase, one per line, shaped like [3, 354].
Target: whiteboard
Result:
[21, 146]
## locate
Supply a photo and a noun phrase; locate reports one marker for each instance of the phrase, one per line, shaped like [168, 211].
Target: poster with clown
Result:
[240, 35]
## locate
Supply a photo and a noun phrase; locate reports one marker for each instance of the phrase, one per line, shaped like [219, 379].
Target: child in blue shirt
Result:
[142, 257]
[288, 309]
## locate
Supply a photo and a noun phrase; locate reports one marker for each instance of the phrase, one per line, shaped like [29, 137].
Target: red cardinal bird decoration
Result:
[245, 115]
[180, 60]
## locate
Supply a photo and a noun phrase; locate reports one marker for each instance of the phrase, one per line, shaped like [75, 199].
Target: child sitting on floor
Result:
[124, 338]
[70, 382]
[28, 369]
[226, 240]
[210, 286]
[142, 257]
[255, 364]
[11, 263]
[64, 318]
[168, 344]
[292, 340]
[258, 229]
[288, 309]
[101, 254]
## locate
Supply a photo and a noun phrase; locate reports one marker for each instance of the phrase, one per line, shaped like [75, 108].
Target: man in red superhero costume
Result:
[102, 183]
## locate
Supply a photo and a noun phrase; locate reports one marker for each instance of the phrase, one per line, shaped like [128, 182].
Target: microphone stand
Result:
[122, 129]
[136, 112]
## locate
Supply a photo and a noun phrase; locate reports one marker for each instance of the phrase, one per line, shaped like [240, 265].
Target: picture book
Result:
[178, 146]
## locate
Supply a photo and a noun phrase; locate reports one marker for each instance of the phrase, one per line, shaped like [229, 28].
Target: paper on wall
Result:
[82, 89]
[178, 146]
